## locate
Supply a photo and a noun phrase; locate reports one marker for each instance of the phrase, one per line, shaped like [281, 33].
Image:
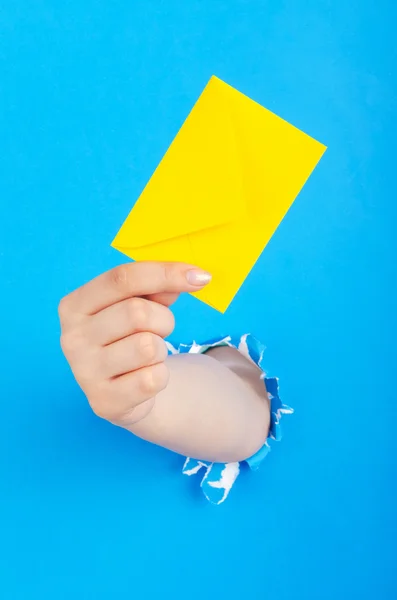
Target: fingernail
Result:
[198, 277]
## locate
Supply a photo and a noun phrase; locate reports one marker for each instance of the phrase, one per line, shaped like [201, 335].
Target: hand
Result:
[112, 335]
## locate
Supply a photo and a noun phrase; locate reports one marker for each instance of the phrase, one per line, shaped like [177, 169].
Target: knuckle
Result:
[119, 276]
[146, 384]
[162, 376]
[72, 340]
[169, 322]
[153, 380]
[63, 306]
[169, 274]
[148, 347]
[139, 313]
[136, 413]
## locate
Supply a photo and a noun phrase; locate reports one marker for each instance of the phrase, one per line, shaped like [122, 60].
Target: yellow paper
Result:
[220, 191]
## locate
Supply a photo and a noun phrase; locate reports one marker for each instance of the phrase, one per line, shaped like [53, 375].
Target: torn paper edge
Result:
[219, 478]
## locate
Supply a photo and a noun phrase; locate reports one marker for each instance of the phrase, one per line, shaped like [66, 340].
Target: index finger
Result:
[135, 279]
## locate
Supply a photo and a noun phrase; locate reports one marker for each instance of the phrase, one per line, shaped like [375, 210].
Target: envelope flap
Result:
[275, 158]
[196, 185]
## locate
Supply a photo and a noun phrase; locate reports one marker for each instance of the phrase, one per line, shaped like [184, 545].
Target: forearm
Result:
[207, 411]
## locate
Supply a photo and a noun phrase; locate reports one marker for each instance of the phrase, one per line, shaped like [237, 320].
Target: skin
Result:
[212, 407]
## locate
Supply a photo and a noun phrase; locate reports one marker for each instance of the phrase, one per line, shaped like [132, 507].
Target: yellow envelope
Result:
[220, 191]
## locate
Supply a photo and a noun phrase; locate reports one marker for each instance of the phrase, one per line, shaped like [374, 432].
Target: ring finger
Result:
[132, 353]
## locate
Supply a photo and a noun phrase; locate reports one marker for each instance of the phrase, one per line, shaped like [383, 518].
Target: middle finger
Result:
[127, 317]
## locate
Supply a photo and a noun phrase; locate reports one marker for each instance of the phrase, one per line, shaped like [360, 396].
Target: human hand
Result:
[112, 335]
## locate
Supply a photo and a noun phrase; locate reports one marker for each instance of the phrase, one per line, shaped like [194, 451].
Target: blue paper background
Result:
[91, 94]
